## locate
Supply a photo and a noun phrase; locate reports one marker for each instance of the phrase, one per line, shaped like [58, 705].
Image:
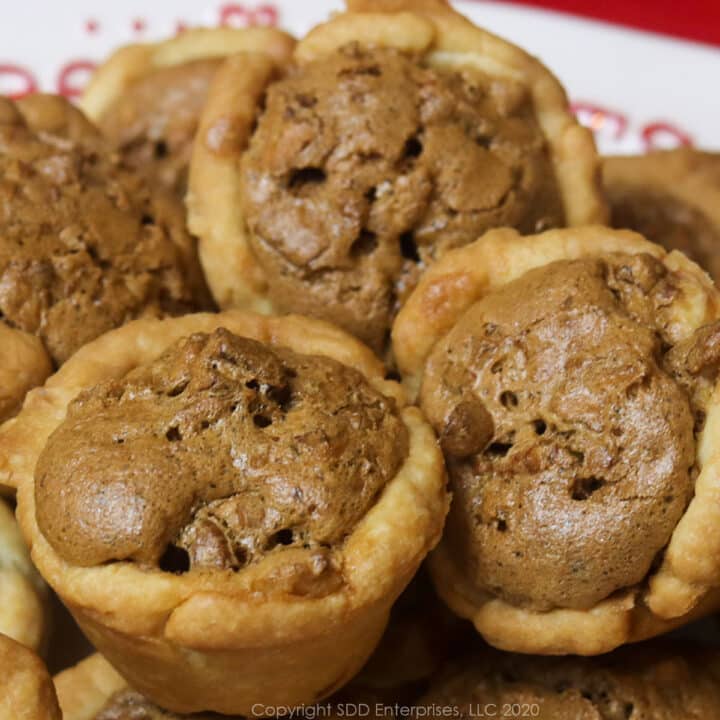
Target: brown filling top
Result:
[154, 121]
[217, 454]
[631, 684]
[668, 221]
[85, 245]
[366, 166]
[568, 420]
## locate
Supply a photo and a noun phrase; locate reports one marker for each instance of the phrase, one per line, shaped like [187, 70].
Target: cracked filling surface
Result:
[85, 245]
[652, 684]
[153, 123]
[366, 166]
[218, 454]
[568, 422]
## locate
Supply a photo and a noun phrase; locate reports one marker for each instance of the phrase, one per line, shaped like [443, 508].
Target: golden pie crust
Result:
[133, 62]
[417, 642]
[84, 690]
[25, 364]
[23, 594]
[426, 28]
[686, 583]
[26, 690]
[688, 177]
[208, 641]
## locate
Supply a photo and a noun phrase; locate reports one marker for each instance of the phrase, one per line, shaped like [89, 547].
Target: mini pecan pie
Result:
[399, 132]
[85, 244]
[147, 99]
[672, 197]
[658, 681]
[26, 690]
[571, 378]
[417, 642]
[249, 496]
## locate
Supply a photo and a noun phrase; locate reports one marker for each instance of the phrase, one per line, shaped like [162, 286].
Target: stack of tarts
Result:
[319, 362]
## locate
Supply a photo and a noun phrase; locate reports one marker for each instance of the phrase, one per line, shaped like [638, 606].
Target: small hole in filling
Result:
[147, 219]
[282, 537]
[262, 421]
[413, 148]
[161, 149]
[508, 399]
[365, 244]
[306, 176]
[174, 434]
[306, 101]
[178, 389]
[282, 396]
[583, 488]
[370, 70]
[499, 449]
[500, 525]
[540, 427]
[241, 556]
[408, 247]
[175, 560]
